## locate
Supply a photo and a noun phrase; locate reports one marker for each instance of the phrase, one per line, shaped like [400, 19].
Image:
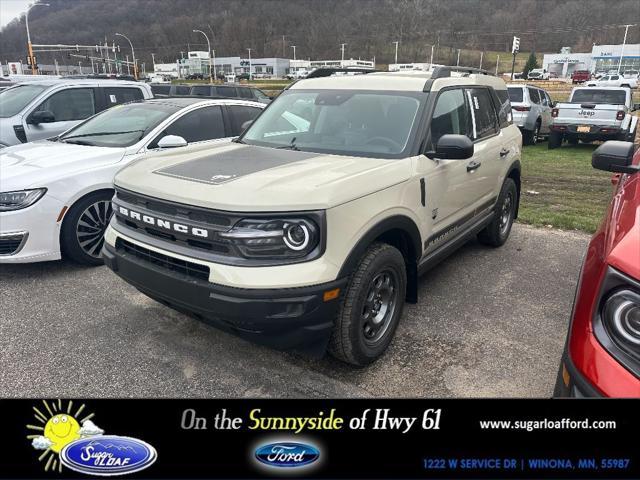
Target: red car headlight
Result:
[621, 320]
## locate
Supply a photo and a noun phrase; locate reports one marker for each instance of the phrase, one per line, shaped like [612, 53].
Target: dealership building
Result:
[601, 59]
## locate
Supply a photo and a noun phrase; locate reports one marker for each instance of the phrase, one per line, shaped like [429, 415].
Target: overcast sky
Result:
[10, 9]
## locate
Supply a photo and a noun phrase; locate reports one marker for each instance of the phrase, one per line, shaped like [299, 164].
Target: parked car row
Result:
[226, 90]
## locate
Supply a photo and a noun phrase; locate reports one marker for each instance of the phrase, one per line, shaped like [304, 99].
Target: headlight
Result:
[20, 199]
[274, 238]
[621, 319]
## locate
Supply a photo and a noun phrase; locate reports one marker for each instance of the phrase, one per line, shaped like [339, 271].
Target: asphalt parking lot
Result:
[490, 323]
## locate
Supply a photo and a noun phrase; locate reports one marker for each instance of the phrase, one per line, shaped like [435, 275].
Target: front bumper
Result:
[38, 229]
[286, 318]
[571, 383]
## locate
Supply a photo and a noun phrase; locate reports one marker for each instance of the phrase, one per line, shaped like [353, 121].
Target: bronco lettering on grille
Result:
[165, 224]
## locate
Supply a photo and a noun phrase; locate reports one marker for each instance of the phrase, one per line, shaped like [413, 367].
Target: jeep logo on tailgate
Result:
[586, 113]
[164, 224]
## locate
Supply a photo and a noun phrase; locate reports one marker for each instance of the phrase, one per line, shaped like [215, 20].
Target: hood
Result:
[250, 178]
[623, 228]
[36, 164]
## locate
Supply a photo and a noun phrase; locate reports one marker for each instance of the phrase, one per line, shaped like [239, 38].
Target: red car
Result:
[602, 352]
[580, 76]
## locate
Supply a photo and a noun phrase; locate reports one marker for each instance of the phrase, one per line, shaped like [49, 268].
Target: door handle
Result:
[473, 165]
[504, 152]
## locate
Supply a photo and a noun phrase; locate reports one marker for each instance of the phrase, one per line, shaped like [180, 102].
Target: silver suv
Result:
[531, 110]
[43, 109]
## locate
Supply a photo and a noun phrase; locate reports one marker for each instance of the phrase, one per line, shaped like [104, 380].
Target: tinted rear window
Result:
[161, 89]
[515, 94]
[594, 95]
[201, 90]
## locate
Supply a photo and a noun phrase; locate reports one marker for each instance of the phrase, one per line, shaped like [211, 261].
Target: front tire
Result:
[83, 228]
[371, 306]
[497, 232]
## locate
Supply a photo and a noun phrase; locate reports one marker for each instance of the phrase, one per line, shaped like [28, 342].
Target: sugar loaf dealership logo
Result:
[69, 438]
[287, 454]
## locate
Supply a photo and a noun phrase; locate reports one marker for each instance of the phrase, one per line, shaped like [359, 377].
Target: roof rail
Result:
[327, 72]
[442, 72]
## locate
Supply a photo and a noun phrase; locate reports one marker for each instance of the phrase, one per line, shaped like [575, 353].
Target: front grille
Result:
[189, 269]
[11, 243]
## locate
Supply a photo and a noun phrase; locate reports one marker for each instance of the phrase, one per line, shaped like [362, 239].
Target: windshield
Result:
[13, 100]
[594, 95]
[515, 94]
[120, 126]
[360, 123]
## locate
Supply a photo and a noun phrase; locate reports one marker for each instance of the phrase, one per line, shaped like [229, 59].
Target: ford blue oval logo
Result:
[287, 454]
[108, 455]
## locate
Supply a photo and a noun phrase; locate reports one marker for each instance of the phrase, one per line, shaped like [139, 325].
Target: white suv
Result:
[311, 230]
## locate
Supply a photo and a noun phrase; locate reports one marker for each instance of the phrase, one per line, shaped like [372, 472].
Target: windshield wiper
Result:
[101, 134]
[238, 140]
[81, 142]
[292, 145]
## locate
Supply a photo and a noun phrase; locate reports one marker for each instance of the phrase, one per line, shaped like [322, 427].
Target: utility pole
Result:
[80, 67]
[283, 46]
[342, 45]
[208, 53]
[153, 60]
[481, 55]
[32, 58]
[133, 55]
[497, 63]
[515, 48]
[249, 63]
[396, 43]
[128, 66]
[458, 60]
[294, 51]
[215, 76]
[626, 30]
[431, 61]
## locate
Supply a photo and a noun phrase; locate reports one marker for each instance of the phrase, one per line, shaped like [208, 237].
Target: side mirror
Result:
[172, 141]
[453, 147]
[42, 116]
[245, 125]
[614, 156]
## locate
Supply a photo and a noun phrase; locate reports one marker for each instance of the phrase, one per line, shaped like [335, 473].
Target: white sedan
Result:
[55, 194]
[615, 80]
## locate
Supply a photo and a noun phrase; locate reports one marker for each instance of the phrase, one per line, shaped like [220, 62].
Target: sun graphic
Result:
[59, 428]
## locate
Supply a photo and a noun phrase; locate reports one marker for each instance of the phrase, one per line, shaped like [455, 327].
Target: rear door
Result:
[545, 112]
[69, 106]
[119, 95]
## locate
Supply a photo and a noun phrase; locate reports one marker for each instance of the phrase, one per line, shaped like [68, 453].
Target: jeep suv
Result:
[311, 230]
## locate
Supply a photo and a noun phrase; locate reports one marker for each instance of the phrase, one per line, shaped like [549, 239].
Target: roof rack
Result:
[443, 72]
[327, 72]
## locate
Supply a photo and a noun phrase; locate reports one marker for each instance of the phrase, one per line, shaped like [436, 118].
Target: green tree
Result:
[532, 62]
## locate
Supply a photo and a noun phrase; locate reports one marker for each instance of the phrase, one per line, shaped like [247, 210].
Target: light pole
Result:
[133, 55]
[249, 63]
[481, 55]
[294, 51]
[208, 53]
[396, 52]
[342, 45]
[458, 60]
[32, 59]
[626, 30]
[431, 61]
[497, 63]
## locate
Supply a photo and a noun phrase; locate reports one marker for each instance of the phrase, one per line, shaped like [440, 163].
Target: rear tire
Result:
[531, 137]
[497, 232]
[371, 307]
[82, 233]
[555, 140]
[572, 141]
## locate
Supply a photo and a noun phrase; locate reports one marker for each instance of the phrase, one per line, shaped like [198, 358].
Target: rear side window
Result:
[486, 121]
[197, 126]
[201, 90]
[245, 92]
[227, 91]
[118, 95]
[451, 116]
[161, 89]
[182, 90]
[259, 94]
[533, 95]
[70, 104]
[241, 114]
[516, 94]
[501, 98]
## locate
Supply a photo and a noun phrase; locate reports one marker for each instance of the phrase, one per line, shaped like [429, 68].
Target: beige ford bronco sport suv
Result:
[311, 229]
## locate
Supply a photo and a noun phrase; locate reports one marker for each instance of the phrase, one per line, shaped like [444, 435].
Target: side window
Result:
[451, 115]
[486, 121]
[200, 91]
[241, 114]
[182, 89]
[245, 92]
[118, 95]
[197, 126]
[161, 89]
[70, 104]
[501, 99]
[227, 91]
[614, 77]
[259, 94]
[533, 95]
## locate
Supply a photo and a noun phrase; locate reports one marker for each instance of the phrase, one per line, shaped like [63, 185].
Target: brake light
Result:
[620, 115]
[521, 109]
[554, 113]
